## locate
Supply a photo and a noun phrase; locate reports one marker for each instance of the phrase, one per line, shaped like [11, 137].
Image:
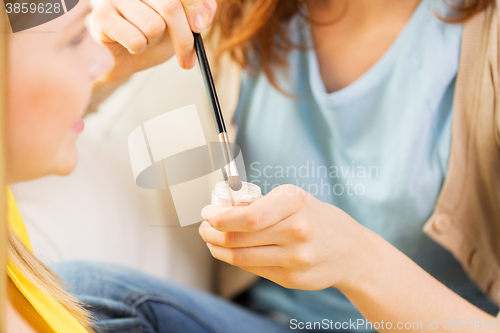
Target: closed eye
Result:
[77, 40]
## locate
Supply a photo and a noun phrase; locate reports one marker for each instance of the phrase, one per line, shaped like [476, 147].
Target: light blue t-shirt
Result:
[378, 149]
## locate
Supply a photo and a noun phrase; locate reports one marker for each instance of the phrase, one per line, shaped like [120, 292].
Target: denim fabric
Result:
[124, 300]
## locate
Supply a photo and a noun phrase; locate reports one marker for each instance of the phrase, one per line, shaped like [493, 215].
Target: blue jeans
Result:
[124, 300]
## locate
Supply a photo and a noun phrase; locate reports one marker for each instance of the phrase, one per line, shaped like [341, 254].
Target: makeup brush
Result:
[231, 170]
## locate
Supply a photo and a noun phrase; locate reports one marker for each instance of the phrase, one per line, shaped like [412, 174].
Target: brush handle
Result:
[209, 83]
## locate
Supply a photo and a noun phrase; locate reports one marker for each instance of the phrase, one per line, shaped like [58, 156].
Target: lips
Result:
[78, 125]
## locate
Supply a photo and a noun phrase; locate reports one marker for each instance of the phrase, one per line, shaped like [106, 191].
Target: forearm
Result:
[392, 288]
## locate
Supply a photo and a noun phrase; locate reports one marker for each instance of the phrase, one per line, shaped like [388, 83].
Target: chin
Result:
[68, 166]
[23, 170]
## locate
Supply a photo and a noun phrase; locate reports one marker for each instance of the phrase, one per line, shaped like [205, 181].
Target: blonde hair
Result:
[45, 280]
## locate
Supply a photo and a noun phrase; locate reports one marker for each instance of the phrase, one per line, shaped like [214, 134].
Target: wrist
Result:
[368, 253]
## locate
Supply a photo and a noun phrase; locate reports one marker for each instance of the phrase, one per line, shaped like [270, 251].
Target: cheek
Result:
[44, 104]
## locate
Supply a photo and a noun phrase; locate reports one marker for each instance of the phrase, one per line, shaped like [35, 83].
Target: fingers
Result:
[270, 255]
[138, 24]
[277, 205]
[269, 236]
[145, 19]
[109, 26]
[172, 12]
[294, 230]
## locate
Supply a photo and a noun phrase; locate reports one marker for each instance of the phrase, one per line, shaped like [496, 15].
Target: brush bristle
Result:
[235, 183]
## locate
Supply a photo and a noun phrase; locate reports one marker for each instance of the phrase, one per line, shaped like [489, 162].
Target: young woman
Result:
[289, 237]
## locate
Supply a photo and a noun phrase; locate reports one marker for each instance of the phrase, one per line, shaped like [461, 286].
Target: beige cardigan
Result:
[466, 220]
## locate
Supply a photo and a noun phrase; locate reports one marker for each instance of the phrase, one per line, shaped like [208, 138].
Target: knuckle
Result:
[299, 198]
[229, 238]
[253, 219]
[136, 44]
[185, 44]
[301, 231]
[280, 189]
[292, 279]
[302, 258]
[235, 258]
[155, 27]
[171, 7]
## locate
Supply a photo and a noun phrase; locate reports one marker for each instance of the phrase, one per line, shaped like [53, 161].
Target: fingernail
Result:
[200, 22]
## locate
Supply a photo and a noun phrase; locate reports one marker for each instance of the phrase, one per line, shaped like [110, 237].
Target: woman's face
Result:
[52, 67]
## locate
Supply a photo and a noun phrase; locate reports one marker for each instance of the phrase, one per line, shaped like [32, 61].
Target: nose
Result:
[102, 61]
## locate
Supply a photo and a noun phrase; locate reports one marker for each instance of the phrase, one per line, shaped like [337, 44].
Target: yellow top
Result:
[54, 314]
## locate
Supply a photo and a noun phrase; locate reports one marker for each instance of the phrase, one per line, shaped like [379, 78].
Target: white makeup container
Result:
[223, 196]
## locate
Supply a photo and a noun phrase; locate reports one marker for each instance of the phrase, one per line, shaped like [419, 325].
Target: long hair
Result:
[45, 280]
[32, 268]
[255, 32]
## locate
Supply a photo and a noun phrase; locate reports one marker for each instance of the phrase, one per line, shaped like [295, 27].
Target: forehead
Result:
[31, 16]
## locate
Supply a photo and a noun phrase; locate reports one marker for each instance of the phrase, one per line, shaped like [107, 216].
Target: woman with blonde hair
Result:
[49, 82]
[287, 236]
